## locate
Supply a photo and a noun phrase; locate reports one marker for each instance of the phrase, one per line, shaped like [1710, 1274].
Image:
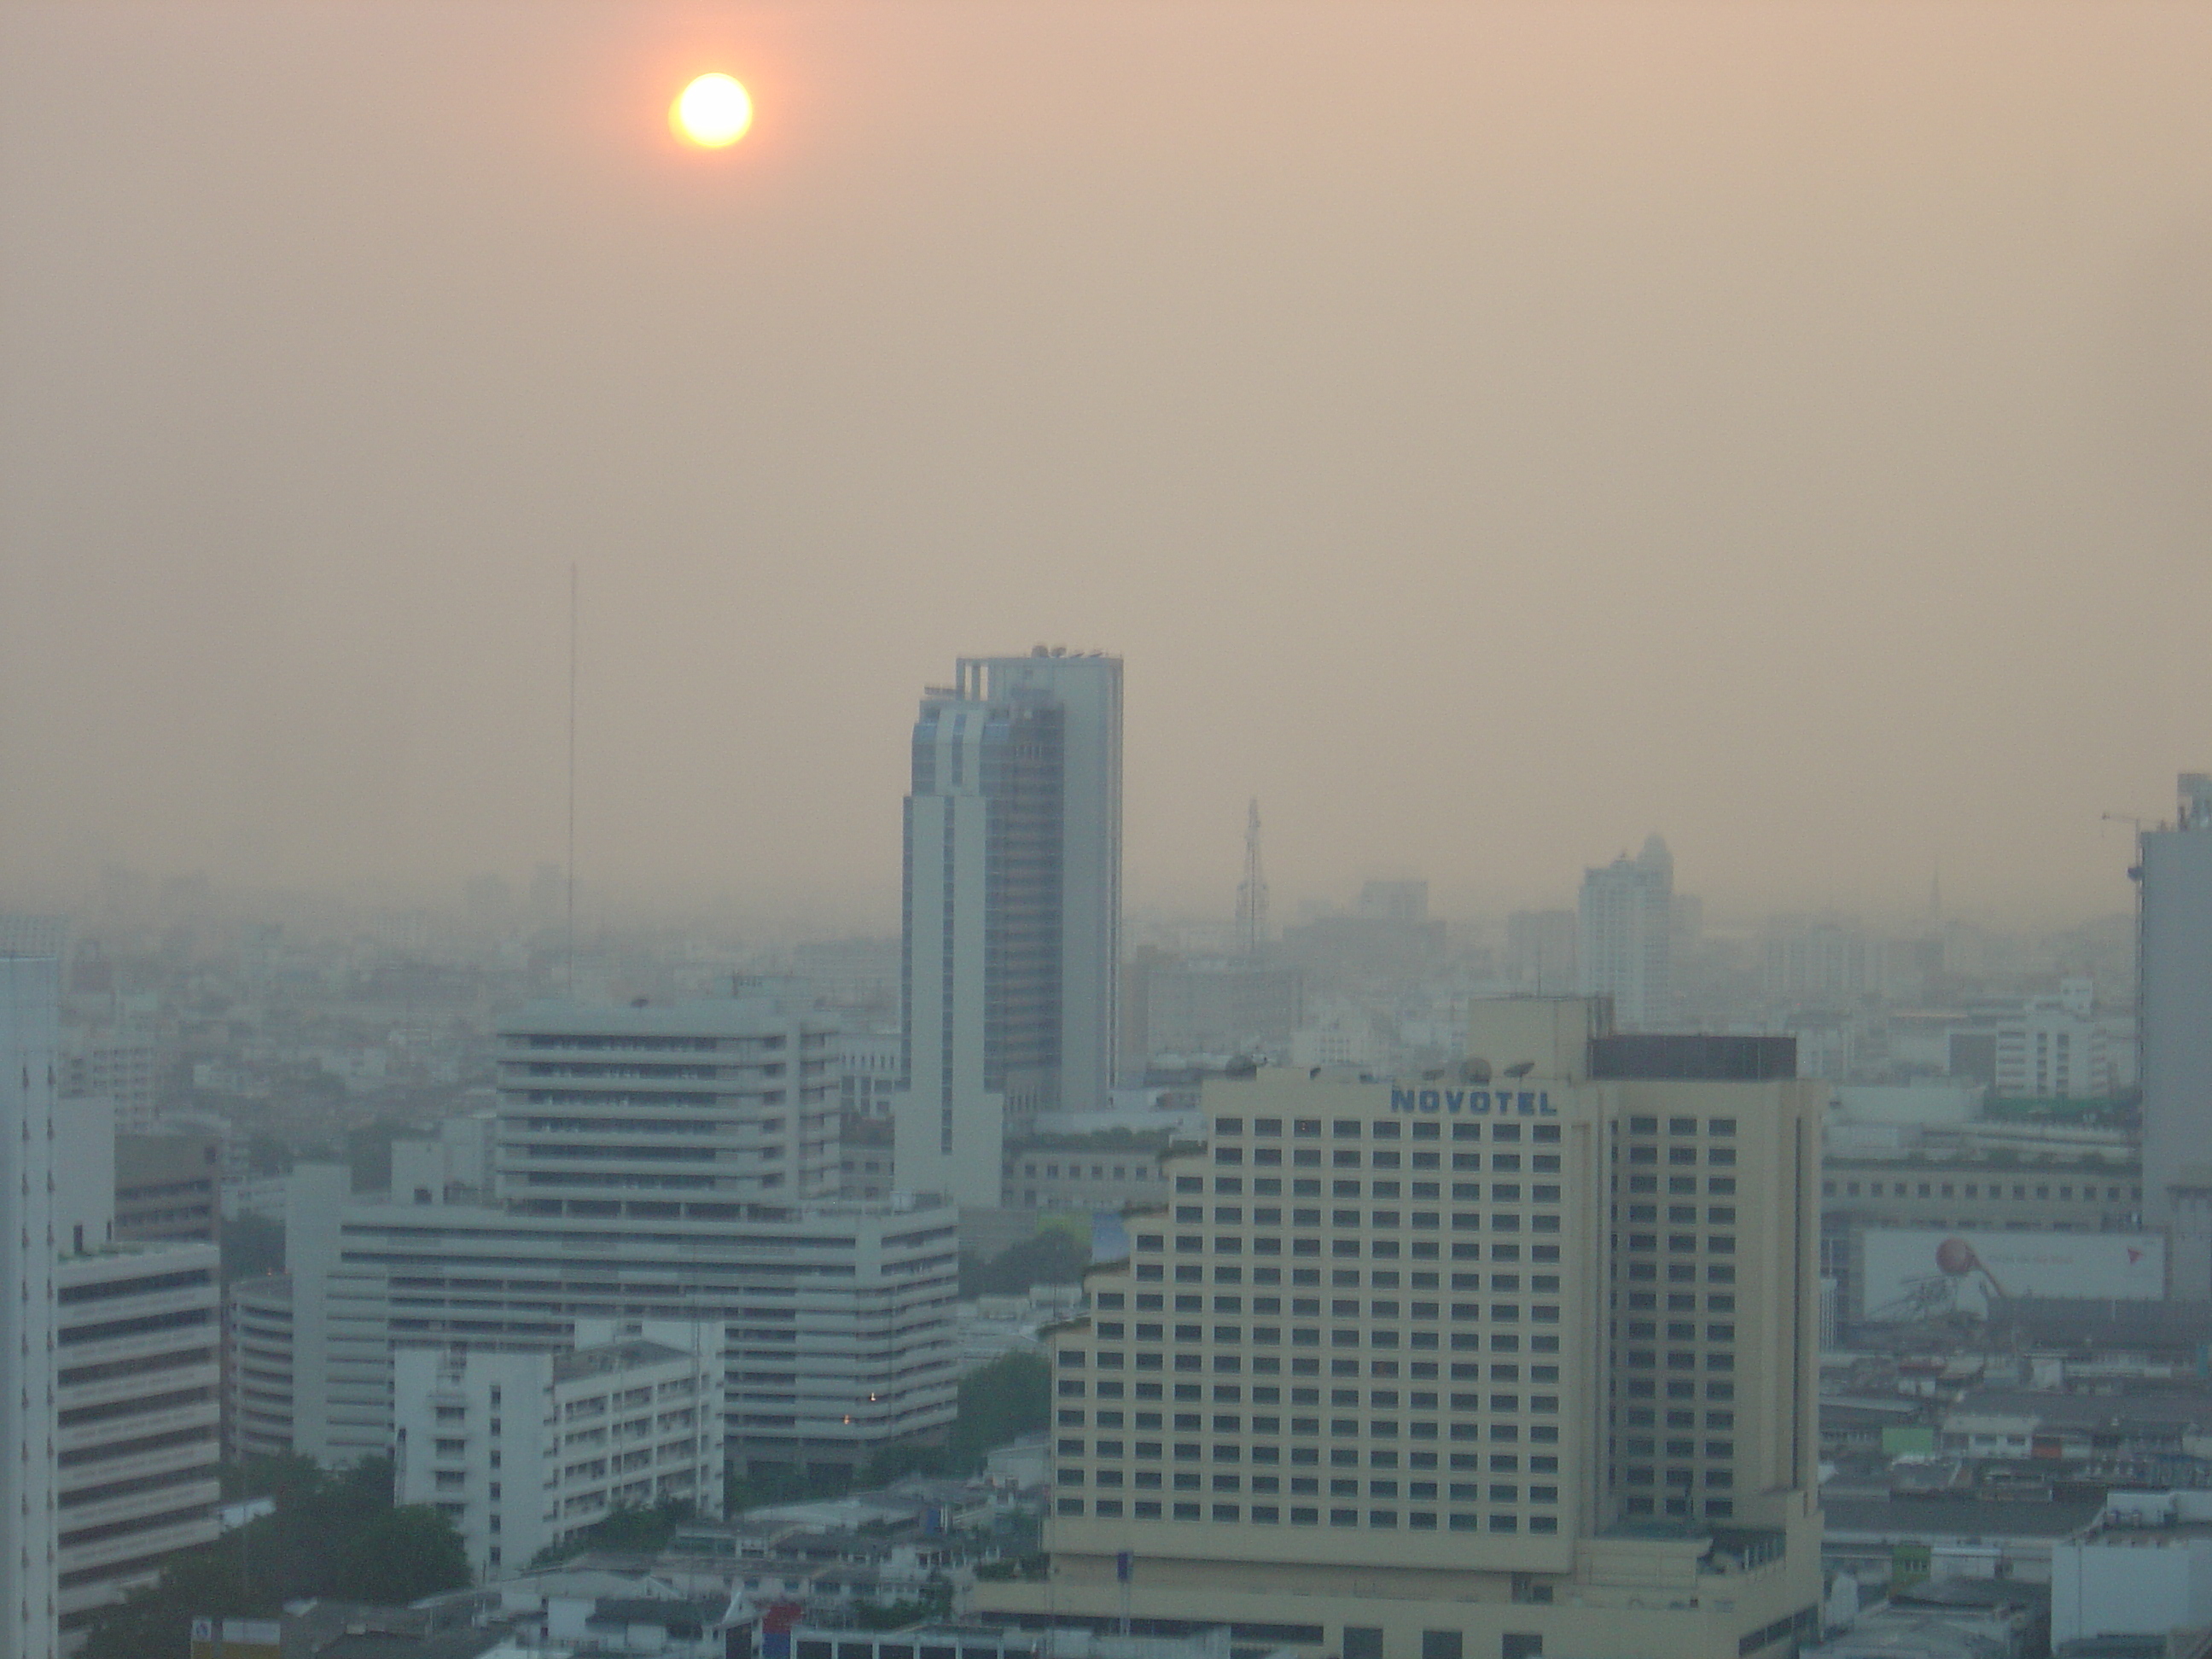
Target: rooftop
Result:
[612, 1357]
[1961, 1518]
[716, 1017]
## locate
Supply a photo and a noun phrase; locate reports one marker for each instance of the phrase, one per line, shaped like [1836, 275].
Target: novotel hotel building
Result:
[1516, 1361]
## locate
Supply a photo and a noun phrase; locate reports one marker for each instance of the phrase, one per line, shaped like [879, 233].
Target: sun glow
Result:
[712, 113]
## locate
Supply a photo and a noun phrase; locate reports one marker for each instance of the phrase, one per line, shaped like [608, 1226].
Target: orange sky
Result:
[1489, 432]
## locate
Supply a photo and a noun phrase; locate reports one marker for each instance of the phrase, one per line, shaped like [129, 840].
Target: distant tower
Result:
[1625, 936]
[1252, 891]
[1011, 953]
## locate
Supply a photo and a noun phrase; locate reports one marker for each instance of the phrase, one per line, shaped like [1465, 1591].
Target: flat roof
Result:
[1946, 1517]
[715, 1017]
[610, 1356]
[2164, 1403]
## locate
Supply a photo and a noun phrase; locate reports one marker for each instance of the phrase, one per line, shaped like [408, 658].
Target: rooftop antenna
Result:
[571, 781]
[1252, 891]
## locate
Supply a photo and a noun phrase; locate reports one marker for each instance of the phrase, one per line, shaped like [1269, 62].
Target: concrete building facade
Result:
[30, 989]
[1520, 1363]
[258, 1367]
[138, 1411]
[2173, 868]
[522, 1451]
[1624, 945]
[1011, 941]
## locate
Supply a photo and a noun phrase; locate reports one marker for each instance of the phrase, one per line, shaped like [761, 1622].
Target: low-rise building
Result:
[522, 1451]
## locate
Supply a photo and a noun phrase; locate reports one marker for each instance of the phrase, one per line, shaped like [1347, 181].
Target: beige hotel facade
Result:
[1516, 1361]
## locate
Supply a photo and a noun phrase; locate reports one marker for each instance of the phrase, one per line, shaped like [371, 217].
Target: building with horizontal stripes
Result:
[138, 1418]
[665, 1162]
[1514, 1361]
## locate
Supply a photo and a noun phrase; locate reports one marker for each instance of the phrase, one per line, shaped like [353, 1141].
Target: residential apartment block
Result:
[1461, 1366]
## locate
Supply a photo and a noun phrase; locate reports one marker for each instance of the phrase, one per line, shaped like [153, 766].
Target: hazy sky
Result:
[1489, 432]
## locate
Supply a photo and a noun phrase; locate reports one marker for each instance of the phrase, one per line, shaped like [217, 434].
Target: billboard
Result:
[1925, 1273]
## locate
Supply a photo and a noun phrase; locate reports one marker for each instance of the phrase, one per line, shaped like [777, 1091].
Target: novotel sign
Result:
[1480, 1102]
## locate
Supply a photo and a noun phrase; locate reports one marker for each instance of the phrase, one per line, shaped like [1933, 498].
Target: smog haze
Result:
[1489, 434]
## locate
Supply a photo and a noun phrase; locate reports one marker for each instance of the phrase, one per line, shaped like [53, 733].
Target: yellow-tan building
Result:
[1515, 1361]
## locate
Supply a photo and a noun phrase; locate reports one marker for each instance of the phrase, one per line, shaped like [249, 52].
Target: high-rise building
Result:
[30, 993]
[2174, 1000]
[138, 1411]
[1623, 947]
[1517, 1362]
[1011, 945]
[667, 1162]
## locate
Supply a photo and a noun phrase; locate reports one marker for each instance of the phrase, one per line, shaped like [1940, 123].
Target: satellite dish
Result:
[1520, 1068]
[1475, 1069]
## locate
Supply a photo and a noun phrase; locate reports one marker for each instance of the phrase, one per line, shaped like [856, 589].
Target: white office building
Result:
[1010, 952]
[2055, 1048]
[521, 1450]
[29, 1041]
[1623, 946]
[656, 1163]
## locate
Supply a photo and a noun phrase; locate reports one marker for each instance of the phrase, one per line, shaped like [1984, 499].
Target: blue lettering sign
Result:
[1401, 1100]
[1431, 1100]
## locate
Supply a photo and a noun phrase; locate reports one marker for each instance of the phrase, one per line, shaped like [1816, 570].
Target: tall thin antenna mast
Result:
[571, 781]
[1252, 891]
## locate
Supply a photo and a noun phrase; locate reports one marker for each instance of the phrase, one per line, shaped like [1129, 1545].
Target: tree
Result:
[627, 1527]
[1052, 1256]
[1008, 1397]
[401, 1556]
[332, 1534]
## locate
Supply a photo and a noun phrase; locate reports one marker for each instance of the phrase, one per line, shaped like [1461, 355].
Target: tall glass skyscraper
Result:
[1012, 913]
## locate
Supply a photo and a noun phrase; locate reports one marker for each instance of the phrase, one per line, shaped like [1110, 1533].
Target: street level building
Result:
[1011, 945]
[1514, 1363]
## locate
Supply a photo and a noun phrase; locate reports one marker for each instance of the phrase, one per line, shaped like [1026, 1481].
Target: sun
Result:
[712, 113]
